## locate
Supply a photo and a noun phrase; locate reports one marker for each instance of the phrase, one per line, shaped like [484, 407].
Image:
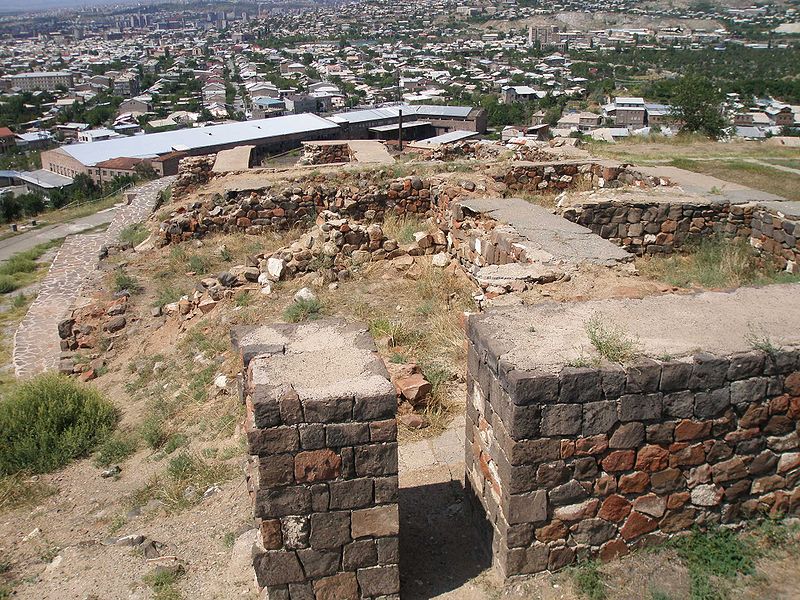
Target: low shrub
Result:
[303, 310]
[50, 420]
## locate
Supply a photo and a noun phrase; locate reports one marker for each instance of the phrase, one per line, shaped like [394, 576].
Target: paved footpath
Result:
[29, 239]
[36, 341]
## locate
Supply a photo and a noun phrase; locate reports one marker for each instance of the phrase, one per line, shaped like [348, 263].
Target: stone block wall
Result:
[562, 175]
[193, 171]
[280, 209]
[323, 471]
[598, 461]
[325, 153]
[661, 228]
[777, 235]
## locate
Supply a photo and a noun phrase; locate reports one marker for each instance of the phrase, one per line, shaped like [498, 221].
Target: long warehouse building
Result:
[102, 161]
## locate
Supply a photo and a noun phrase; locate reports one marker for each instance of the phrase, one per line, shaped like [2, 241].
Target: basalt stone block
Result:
[643, 377]
[568, 493]
[274, 440]
[675, 376]
[599, 417]
[379, 581]
[627, 435]
[328, 410]
[319, 563]
[281, 502]
[354, 493]
[561, 419]
[375, 408]
[330, 530]
[523, 421]
[346, 434]
[359, 554]
[522, 561]
[388, 550]
[745, 365]
[312, 436]
[593, 531]
[679, 405]
[708, 371]
[278, 567]
[747, 391]
[639, 407]
[711, 404]
[376, 459]
[612, 381]
[530, 387]
[530, 507]
[386, 489]
[579, 384]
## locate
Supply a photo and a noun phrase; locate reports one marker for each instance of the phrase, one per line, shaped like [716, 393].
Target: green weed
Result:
[588, 580]
[116, 448]
[50, 420]
[303, 310]
[610, 341]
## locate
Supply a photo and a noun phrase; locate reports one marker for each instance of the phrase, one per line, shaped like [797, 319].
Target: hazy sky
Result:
[16, 5]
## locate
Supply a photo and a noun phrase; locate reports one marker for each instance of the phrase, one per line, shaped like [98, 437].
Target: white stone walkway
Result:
[36, 341]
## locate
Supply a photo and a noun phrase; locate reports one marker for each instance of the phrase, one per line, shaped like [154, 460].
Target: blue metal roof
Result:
[154, 144]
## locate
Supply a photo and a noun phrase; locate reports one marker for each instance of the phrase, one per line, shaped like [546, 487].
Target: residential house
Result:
[7, 139]
[630, 112]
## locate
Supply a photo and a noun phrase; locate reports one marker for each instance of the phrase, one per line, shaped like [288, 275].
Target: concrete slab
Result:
[322, 360]
[710, 187]
[789, 210]
[370, 151]
[548, 336]
[548, 235]
[234, 159]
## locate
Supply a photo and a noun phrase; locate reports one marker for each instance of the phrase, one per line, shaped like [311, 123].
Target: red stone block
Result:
[595, 444]
[619, 460]
[317, 465]
[636, 525]
[692, 430]
[652, 458]
[613, 549]
[615, 508]
[634, 483]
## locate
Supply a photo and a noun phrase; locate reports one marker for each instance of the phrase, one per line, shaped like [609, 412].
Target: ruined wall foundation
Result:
[323, 468]
[592, 461]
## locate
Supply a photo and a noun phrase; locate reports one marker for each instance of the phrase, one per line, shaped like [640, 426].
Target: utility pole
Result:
[400, 130]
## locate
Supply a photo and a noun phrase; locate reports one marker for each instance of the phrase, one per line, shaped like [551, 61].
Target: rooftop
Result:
[154, 144]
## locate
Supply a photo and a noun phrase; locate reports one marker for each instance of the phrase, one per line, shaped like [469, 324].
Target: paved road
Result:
[27, 240]
[36, 341]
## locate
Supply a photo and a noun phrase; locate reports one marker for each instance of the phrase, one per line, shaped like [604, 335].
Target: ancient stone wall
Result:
[323, 471]
[777, 235]
[598, 461]
[193, 171]
[661, 228]
[280, 209]
[562, 175]
[325, 153]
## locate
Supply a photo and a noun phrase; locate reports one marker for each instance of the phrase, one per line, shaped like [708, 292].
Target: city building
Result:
[41, 80]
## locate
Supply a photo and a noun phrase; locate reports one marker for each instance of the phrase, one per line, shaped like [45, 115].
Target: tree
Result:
[696, 104]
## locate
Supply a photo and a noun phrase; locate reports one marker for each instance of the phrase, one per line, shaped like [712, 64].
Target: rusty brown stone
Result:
[652, 458]
[618, 460]
[317, 465]
[615, 508]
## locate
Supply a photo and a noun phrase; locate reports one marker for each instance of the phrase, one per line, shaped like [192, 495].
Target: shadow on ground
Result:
[440, 548]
